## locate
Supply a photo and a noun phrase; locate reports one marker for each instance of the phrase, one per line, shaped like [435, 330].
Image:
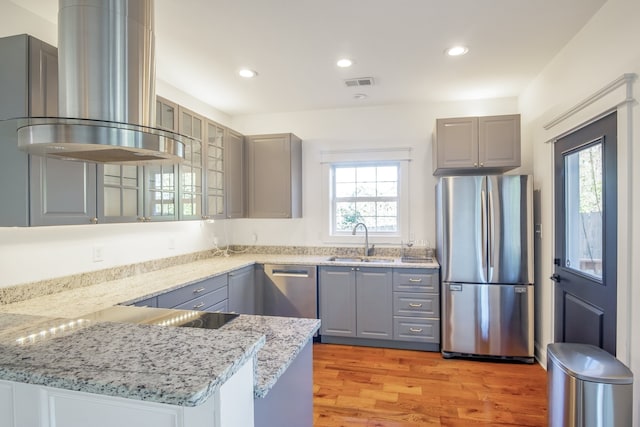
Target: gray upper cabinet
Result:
[122, 193]
[190, 194]
[214, 159]
[235, 173]
[476, 144]
[42, 191]
[274, 173]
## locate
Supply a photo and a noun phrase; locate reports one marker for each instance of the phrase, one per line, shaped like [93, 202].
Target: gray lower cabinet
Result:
[356, 302]
[380, 306]
[206, 295]
[242, 291]
[149, 302]
[337, 301]
[373, 303]
[416, 306]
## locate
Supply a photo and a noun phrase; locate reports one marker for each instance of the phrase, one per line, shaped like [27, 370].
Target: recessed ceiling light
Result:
[457, 50]
[360, 96]
[344, 63]
[247, 73]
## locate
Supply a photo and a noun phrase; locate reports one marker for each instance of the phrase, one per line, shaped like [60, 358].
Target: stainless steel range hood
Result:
[106, 64]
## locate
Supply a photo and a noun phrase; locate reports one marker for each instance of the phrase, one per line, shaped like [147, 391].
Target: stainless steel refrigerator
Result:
[485, 250]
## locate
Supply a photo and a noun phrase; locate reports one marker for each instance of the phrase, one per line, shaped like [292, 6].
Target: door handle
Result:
[555, 277]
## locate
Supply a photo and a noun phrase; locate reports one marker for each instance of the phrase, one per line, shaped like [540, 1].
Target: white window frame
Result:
[400, 156]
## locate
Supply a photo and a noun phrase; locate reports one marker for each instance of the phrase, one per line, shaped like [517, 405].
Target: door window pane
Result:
[583, 210]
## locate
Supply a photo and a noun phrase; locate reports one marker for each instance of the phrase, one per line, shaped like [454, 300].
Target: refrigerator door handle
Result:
[485, 232]
[490, 233]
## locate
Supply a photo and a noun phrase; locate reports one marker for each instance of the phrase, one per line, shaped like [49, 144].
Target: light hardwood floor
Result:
[373, 387]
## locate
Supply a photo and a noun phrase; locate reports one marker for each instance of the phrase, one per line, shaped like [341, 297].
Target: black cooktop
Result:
[207, 320]
[163, 317]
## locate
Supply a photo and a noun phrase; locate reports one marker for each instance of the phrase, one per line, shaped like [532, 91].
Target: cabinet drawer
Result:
[416, 280]
[416, 304]
[222, 307]
[416, 329]
[149, 302]
[205, 301]
[189, 292]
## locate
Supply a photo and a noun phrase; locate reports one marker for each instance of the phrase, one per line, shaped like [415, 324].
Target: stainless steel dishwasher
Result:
[290, 291]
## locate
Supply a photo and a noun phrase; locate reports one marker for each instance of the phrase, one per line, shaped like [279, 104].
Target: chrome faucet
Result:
[367, 251]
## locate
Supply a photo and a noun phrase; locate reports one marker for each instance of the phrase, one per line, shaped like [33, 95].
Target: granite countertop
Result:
[178, 366]
[129, 345]
[285, 338]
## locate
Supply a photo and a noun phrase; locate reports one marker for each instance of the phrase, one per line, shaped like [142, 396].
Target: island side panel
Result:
[290, 402]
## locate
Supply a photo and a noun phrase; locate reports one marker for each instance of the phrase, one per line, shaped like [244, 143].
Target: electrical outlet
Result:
[215, 241]
[98, 253]
[172, 242]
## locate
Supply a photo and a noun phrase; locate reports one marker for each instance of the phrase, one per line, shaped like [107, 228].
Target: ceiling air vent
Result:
[360, 81]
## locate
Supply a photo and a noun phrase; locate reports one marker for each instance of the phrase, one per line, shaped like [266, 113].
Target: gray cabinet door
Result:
[214, 152]
[235, 174]
[374, 303]
[456, 144]
[337, 293]
[62, 192]
[274, 171]
[476, 145]
[499, 141]
[120, 193]
[191, 179]
[242, 291]
[58, 192]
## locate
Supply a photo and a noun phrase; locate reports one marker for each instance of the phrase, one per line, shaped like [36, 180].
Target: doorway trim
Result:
[616, 96]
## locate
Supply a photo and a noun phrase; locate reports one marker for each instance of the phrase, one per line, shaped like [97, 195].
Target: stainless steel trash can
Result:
[588, 387]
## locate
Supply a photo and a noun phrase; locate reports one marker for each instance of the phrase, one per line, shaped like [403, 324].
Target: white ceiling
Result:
[294, 45]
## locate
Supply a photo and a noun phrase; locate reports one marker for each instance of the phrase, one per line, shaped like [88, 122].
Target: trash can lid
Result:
[589, 363]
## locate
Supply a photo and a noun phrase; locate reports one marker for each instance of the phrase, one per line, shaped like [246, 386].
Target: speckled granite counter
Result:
[284, 337]
[178, 366]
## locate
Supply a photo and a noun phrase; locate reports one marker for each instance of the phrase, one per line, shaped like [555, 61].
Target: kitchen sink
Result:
[346, 259]
[382, 260]
[361, 259]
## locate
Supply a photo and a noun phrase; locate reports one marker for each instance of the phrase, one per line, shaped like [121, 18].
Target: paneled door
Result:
[585, 236]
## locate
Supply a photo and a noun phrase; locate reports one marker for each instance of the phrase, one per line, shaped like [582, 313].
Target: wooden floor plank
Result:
[375, 387]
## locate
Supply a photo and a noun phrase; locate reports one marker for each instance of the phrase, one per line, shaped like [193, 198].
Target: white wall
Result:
[606, 48]
[16, 20]
[359, 128]
[38, 253]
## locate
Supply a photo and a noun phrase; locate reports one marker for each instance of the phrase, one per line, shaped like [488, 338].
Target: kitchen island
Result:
[72, 373]
[140, 375]
[281, 360]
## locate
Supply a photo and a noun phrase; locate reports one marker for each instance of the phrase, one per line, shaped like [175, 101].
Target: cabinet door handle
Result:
[197, 306]
[416, 330]
[197, 291]
[412, 304]
[412, 280]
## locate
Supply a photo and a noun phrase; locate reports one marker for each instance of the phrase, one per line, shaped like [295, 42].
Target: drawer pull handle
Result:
[411, 304]
[197, 291]
[416, 330]
[197, 306]
[415, 280]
